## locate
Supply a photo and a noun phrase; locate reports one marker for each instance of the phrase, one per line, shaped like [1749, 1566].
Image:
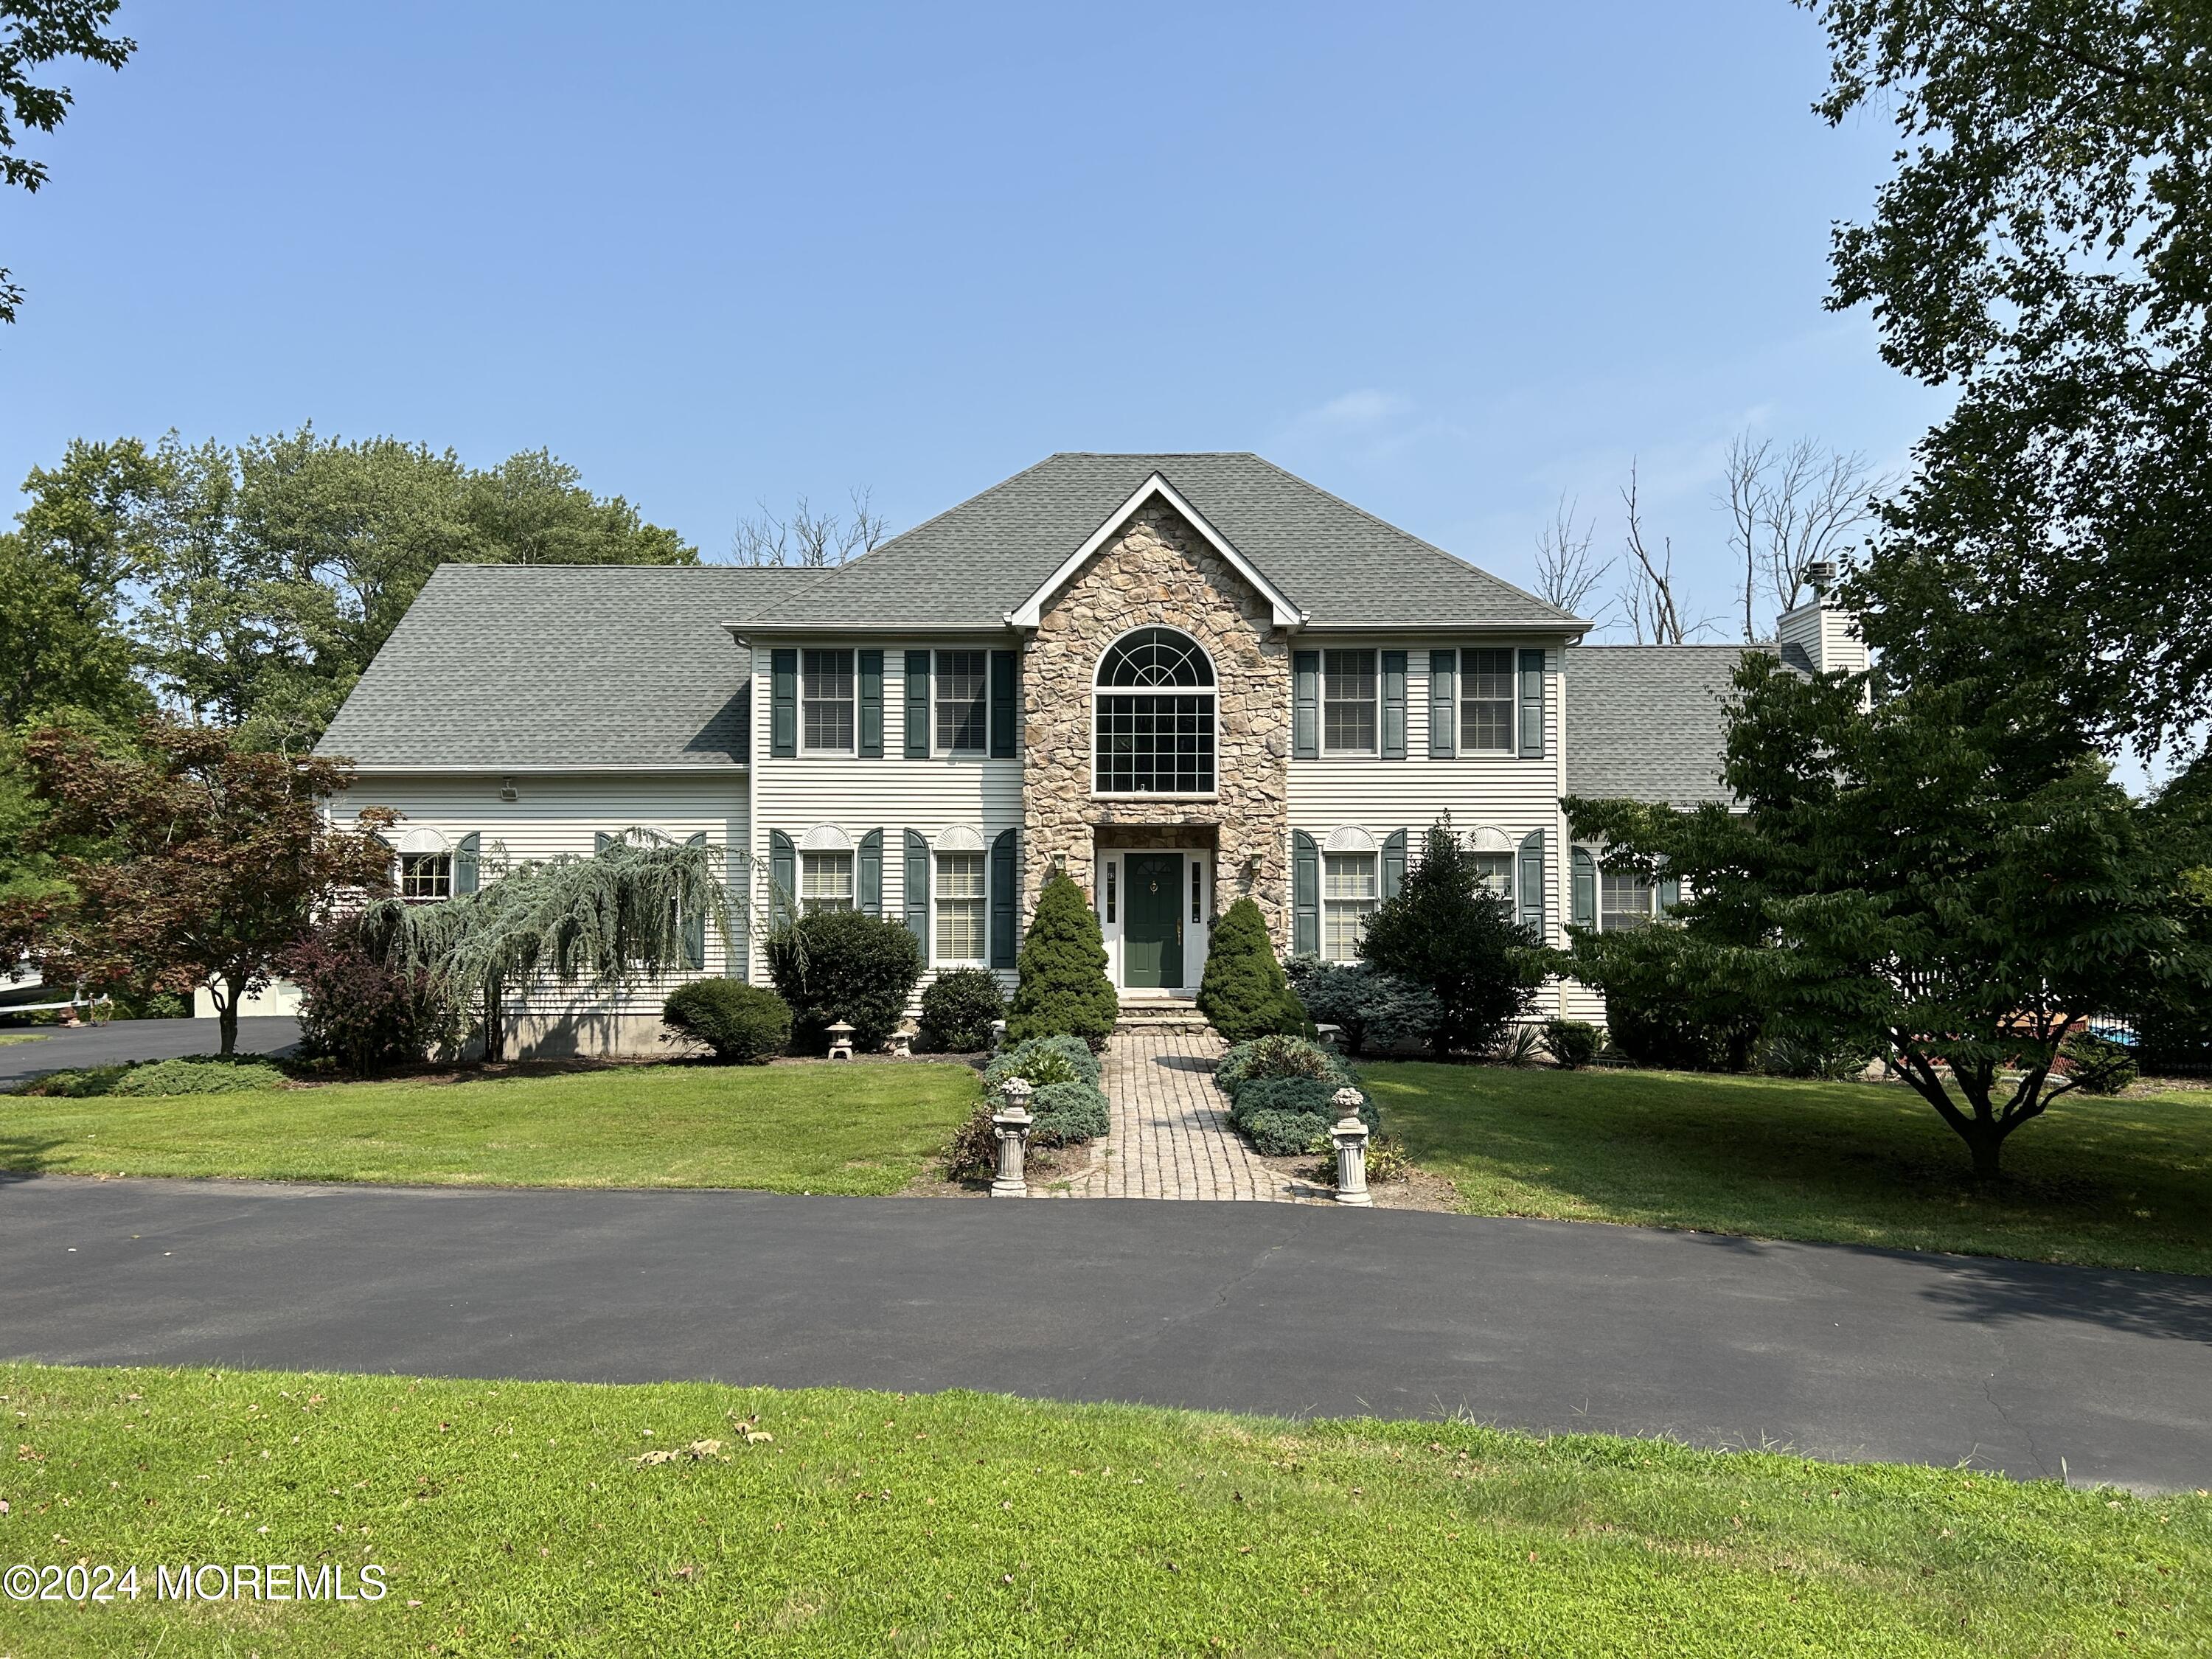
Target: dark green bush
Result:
[1278, 1055]
[1375, 1010]
[1572, 1043]
[2098, 1065]
[958, 1009]
[1664, 1007]
[1044, 1060]
[743, 1024]
[843, 964]
[1063, 990]
[1243, 992]
[1067, 1114]
[1445, 931]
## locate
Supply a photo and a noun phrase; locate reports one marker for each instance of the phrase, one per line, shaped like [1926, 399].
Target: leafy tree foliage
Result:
[1917, 877]
[1061, 988]
[1445, 931]
[33, 32]
[216, 861]
[2042, 246]
[1243, 992]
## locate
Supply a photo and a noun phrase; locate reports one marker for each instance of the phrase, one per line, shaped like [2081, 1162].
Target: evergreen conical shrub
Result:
[1063, 989]
[1245, 993]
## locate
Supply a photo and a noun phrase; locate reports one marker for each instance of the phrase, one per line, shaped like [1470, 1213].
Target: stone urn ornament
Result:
[1350, 1135]
[1011, 1124]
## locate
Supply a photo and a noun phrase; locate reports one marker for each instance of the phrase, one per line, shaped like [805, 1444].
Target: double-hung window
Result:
[1485, 702]
[961, 892]
[1623, 901]
[826, 699]
[1349, 717]
[1347, 900]
[825, 881]
[963, 702]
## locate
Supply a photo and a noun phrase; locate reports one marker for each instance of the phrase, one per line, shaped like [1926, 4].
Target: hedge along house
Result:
[1178, 678]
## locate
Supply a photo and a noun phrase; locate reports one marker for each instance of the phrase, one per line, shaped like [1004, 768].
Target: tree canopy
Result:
[1917, 876]
[32, 33]
[2043, 245]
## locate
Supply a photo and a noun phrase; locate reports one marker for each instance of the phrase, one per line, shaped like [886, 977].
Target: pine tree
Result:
[1245, 993]
[1063, 989]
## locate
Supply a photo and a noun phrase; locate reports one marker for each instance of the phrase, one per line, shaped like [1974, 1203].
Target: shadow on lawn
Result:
[22, 1157]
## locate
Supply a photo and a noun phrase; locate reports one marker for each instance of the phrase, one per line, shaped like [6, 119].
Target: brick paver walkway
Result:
[1171, 1137]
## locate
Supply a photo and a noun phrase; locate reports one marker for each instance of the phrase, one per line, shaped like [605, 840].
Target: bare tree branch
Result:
[808, 539]
[1744, 492]
[1647, 596]
[1786, 510]
[1565, 573]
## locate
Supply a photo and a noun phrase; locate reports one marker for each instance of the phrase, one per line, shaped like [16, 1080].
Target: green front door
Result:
[1151, 921]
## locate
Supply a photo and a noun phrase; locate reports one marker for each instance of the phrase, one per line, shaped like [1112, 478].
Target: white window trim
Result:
[937, 750]
[1212, 692]
[1511, 749]
[949, 843]
[1328, 749]
[852, 702]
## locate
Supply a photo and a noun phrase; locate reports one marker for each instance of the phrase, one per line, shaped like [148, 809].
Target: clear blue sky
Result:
[1445, 260]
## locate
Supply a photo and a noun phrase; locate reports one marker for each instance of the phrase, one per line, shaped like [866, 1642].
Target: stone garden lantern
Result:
[1011, 1123]
[840, 1041]
[1350, 1135]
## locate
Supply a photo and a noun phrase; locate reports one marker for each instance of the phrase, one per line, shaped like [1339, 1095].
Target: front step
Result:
[1160, 1014]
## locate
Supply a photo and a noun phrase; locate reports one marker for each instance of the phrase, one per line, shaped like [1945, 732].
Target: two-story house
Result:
[1179, 678]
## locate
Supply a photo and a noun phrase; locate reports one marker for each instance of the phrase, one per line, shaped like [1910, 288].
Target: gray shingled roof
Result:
[971, 565]
[535, 665]
[1644, 722]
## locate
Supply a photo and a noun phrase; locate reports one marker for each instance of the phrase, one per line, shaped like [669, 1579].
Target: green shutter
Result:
[1585, 888]
[917, 706]
[1532, 884]
[1305, 705]
[1306, 894]
[1393, 864]
[1444, 704]
[1005, 886]
[782, 878]
[1004, 705]
[783, 702]
[1393, 705]
[868, 874]
[695, 926]
[1532, 704]
[917, 885]
[872, 704]
[468, 853]
[601, 841]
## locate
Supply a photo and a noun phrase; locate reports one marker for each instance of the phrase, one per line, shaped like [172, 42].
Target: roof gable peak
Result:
[1282, 612]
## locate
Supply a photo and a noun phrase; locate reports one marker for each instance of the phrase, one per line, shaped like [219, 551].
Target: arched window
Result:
[1152, 720]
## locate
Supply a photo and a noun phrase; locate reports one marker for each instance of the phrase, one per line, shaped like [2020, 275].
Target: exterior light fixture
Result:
[507, 790]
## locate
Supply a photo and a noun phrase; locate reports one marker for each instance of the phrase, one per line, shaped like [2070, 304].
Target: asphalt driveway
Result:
[1543, 1326]
[64, 1048]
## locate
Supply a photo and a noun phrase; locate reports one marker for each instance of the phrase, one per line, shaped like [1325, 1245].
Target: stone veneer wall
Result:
[1159, 571]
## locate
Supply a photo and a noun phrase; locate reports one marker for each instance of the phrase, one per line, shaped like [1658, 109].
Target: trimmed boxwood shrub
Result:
[958, 1009]
[1243, 992]
[1044, 1060]
[843, 964]
[743, 1024]
[1063, 990]
[1573, 1043]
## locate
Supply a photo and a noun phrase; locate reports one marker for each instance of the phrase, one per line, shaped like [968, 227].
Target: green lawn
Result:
[518, 1519]
[814, 1127]
[2115, 1182]
[6, 1037]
